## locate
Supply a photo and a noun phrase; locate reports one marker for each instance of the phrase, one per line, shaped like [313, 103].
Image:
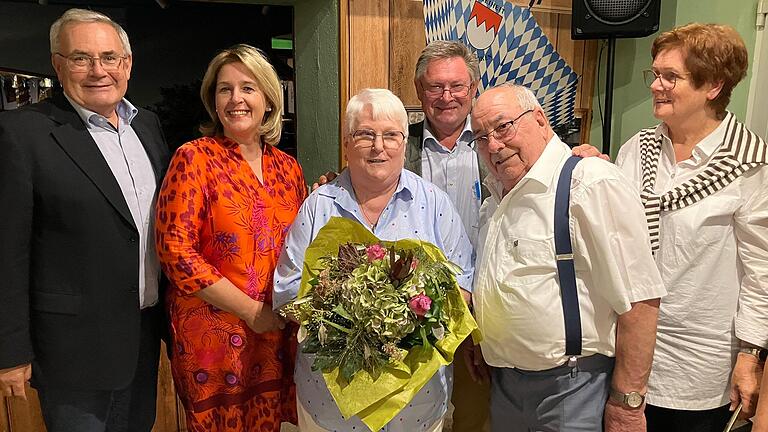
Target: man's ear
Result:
[127, 64]
[58, 65]
[419, 89]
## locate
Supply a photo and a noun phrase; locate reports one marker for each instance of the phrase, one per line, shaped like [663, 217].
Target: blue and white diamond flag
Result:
[510, 46]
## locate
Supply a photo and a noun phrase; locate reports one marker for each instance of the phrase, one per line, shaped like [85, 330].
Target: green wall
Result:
[316, 63]
[632, 109]
[317, 85]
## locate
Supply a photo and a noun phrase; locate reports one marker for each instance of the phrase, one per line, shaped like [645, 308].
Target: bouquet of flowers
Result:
[380, 317]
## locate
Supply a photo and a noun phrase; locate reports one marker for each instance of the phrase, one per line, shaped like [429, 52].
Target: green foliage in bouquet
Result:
[380, 317]
[370, 305]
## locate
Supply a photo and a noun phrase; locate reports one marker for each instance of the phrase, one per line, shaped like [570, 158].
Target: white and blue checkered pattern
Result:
[521, 53]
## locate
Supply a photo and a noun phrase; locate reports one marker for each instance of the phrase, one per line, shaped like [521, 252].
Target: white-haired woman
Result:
[394, 204]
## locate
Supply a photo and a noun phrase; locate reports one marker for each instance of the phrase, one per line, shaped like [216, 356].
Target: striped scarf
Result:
[740, 151]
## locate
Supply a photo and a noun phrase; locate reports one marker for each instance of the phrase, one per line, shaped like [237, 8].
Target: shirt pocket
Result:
[527, 261]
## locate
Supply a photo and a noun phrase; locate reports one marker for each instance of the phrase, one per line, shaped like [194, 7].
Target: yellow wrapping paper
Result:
[377, 402]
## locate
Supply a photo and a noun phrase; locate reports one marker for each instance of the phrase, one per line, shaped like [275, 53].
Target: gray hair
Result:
[384, 106]
[525, 97]
[85, 16]
[438, 50]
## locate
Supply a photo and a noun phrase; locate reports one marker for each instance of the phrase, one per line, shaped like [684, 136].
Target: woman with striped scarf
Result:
[702, 175]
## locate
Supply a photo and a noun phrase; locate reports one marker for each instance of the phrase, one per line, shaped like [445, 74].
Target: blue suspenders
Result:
[565, 269]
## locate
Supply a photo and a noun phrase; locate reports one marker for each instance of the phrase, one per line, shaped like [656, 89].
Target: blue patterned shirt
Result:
[418, 210]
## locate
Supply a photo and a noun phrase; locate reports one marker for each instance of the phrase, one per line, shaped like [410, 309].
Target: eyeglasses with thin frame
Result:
[667, 79]
[365, 138]
[84, 62]
[506, 130]
[456, 91]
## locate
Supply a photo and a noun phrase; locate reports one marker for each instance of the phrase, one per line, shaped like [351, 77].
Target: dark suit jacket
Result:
[68, 250]
[413, 156]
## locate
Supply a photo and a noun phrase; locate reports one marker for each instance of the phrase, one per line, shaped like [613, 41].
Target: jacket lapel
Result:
[413, 150]
[74, 139]
[153, 144]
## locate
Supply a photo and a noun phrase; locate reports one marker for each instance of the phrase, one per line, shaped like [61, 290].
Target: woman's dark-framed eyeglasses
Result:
[391, 139]
[667, 79]
[505, 130]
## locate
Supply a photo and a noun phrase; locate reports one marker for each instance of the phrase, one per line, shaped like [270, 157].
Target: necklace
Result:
[372, 222]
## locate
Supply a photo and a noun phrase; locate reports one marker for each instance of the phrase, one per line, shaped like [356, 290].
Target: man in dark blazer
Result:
[80, 306]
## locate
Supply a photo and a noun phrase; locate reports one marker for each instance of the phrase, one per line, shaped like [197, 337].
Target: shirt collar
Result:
[543, 171]
[125, 111]
[340, 189]
[705, 148]
[464, 137]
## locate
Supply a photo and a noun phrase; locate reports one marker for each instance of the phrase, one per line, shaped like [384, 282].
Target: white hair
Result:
[384, 106]
[525, 97]
[85, 16]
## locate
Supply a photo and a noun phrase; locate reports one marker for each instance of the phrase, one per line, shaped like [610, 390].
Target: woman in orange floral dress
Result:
[224, 209]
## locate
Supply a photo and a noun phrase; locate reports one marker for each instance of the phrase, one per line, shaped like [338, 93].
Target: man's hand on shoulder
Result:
[618, 418]
[588, 150]
[14, 379]
[323, 179]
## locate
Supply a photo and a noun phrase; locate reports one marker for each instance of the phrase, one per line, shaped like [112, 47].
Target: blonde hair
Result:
[266, 79]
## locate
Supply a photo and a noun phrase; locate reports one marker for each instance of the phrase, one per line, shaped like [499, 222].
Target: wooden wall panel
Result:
[548, 23]
[368, 44]
[5, 425]
[24, 416]
[408, 37]
[170, 414]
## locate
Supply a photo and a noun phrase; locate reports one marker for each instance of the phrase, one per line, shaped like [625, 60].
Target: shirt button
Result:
[132, 240]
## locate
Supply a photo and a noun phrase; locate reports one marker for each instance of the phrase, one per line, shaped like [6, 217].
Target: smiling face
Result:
[240, 104]
[94, 89]
[512, 156]
[374, 167]
[446, 112]
[684, 101]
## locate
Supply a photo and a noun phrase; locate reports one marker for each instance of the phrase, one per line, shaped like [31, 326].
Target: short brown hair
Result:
[713, 53]
[266, 78]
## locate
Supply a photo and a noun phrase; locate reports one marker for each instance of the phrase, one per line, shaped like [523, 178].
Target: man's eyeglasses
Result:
[365, 138]
[83, 62]
[667, 79]
[506, 130]
[457, 91]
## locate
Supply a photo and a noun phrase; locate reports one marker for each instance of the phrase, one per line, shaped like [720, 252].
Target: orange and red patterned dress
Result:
[216, 219]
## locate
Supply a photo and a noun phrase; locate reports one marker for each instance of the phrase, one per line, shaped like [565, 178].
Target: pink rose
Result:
[420, 304]
[375, 252]
[414, 263]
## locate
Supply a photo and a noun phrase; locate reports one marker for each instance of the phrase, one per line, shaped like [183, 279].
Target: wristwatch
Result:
[632, 400]
[760, 353]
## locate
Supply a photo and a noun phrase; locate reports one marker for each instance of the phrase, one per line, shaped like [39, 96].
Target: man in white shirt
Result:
[517, 295]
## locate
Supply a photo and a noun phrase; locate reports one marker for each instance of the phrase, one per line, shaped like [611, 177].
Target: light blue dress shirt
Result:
[419, 210]
[456, 172]
[130, 164]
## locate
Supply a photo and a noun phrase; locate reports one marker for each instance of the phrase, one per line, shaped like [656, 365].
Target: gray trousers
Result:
[559, 399]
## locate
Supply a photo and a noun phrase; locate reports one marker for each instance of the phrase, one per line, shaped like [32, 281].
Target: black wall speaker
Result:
[601, 19]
